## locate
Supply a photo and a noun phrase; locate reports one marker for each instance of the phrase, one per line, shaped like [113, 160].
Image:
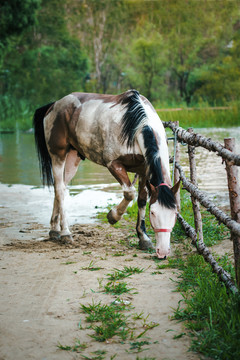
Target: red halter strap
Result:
[162, 230]
[163, 184]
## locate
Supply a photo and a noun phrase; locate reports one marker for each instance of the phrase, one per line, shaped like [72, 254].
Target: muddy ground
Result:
[43, 284]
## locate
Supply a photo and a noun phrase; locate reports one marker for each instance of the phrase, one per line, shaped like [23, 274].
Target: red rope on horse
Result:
[162, 230]
[162, 184]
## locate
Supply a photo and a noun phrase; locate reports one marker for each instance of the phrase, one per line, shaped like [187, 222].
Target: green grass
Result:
[213, 232]
[77, 347]
[125, 272]
[17, 114]
[116, 288]
[91, 267]
[203, 116]
[210, 313]
[109, 318]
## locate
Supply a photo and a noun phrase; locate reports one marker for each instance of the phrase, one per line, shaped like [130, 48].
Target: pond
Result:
[19, 165]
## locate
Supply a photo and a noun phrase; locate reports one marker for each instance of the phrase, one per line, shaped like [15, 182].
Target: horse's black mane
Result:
[165, 194]
[135, 118]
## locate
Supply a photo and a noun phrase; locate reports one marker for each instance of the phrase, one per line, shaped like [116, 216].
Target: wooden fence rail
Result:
[195, 139]
[233, 223]
[208, 204]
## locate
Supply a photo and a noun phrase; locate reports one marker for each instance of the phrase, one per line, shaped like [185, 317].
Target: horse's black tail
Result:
[45, 162]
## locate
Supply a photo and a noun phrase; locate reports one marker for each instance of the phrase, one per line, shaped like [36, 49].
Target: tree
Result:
[46, 62]
[16, 16]
[196, 34]
[99, 25]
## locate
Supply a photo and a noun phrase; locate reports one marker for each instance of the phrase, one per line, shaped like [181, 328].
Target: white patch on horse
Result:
[162, 218]
[100, 146]
[58, 169]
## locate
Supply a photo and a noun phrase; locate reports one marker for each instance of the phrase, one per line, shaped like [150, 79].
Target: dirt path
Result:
[43, 284]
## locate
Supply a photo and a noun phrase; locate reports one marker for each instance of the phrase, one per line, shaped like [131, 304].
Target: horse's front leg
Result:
[120, 173]
[144, 241]
[59, 225]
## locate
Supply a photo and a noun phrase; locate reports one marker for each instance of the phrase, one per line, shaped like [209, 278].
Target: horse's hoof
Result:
[146, 245]
[111, 218]
[54, 235]
[67, 239]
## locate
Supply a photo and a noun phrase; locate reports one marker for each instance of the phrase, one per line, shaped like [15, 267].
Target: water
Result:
[93, 187]
[19, 165]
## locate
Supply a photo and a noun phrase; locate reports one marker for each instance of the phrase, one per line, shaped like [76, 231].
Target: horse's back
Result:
[88, 122]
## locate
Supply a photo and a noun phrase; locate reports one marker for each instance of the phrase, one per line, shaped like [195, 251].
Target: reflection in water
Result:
[19, 164]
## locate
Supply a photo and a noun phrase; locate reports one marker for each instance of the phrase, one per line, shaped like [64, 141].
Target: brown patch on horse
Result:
[85, 97]
[58, 139]
[142, 194]
[119, 172]
[154, 194]
[105, 98]
[133, 163]
[71, 165]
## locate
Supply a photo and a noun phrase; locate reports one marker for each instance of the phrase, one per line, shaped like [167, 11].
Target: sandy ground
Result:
[43, 284]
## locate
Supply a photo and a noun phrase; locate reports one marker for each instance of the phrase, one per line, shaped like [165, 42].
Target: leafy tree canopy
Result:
[16, 16]
[172, 50]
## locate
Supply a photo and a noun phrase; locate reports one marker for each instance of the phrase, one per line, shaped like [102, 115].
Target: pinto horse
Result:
[121, 132]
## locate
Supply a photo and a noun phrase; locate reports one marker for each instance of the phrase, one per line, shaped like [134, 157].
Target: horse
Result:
[121, 132]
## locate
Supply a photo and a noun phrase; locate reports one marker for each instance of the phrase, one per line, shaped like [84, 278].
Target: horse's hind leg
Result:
[144, 241]
[71, 165]
[55, 233]
[63, 173]
[59, 226]
[120, 173]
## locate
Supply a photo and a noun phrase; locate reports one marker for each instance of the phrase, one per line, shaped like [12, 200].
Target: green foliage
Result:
[212, 314]
[112, 321]
[202, 115]
[213, 232]
[173, 52]
[116, 288]
[77, 347]
[56, 70]
[45, 64]
[91, 267]
[15, 114]
[16, 16]
[125, 272]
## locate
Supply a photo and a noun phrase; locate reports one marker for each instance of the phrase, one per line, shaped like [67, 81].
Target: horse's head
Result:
[163, 214]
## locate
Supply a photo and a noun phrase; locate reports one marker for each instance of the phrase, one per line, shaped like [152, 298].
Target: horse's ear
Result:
[152, 189]
[175, 188]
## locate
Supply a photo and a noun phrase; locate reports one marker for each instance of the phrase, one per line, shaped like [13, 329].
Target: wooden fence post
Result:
[195, 202]
[234, 197]
[176, 172]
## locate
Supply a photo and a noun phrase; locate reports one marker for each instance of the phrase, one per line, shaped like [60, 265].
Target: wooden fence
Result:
[232, 162]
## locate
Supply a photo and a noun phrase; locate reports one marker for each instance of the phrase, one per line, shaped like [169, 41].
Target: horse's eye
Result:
[152, 213]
